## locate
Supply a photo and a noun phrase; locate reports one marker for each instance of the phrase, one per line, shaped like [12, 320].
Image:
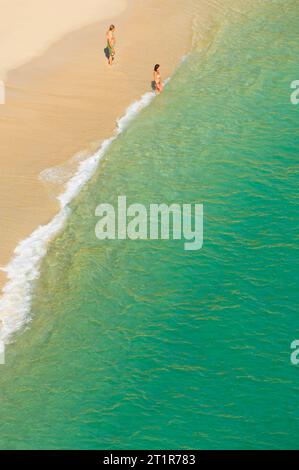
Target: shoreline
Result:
[24, 267]
[71, 93]
[59, 98]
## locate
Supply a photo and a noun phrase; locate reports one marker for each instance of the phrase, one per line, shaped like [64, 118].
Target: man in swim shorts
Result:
[110, 44]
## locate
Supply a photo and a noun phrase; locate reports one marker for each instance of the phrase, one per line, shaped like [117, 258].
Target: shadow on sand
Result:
[106, 52]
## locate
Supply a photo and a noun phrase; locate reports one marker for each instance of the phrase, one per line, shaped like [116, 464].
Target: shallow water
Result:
[140, 344]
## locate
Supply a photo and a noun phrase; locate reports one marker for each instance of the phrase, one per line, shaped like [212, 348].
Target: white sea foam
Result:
[24, 267]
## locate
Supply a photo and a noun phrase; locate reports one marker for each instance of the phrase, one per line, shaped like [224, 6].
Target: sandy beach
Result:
[148, 251]
[62, 103]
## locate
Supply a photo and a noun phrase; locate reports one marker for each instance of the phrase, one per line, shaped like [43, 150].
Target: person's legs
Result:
[159, 88]
[111, 55]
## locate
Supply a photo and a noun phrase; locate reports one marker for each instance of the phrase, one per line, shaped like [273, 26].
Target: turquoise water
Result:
[140, 344]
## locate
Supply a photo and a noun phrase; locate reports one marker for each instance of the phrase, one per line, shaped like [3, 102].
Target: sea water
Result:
[140, 344]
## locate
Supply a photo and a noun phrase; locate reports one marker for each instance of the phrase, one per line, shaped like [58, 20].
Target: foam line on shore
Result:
[24, 268]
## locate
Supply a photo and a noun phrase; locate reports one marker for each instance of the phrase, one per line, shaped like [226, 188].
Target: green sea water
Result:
[140, 344]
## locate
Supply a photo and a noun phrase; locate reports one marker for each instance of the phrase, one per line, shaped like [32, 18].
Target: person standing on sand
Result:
[158, 79]
[110, 44]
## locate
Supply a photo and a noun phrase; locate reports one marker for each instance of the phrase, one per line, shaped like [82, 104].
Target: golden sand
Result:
[68, 100]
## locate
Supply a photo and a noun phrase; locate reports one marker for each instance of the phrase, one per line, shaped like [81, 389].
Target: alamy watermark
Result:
[295, 353]
[157, 222]
[295, 95]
